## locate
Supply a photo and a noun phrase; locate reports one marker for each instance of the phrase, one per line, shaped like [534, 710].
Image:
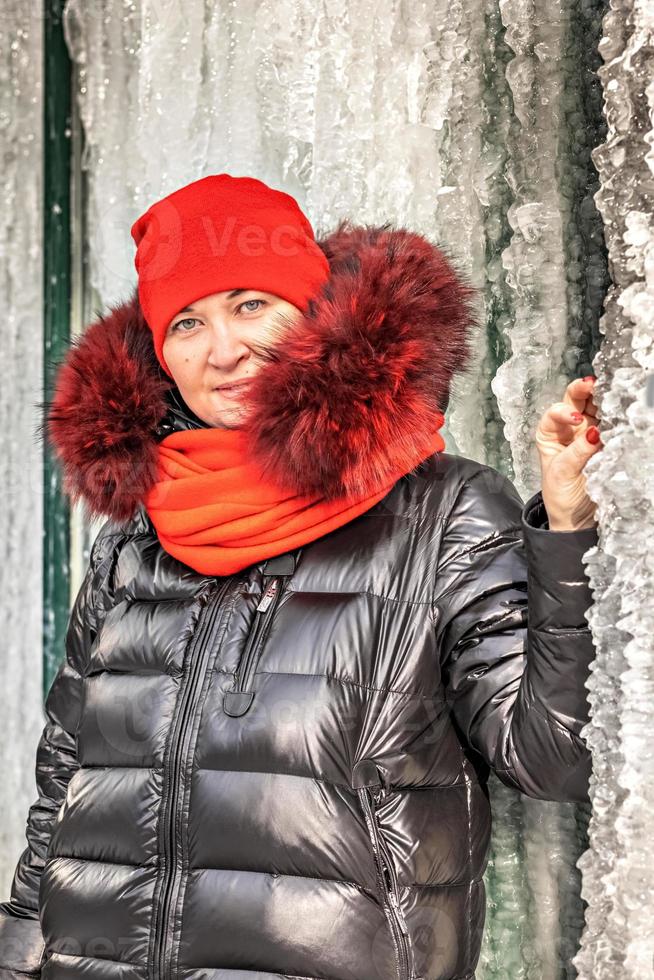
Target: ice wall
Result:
[473, 123]
[618, 869]
[21, 472]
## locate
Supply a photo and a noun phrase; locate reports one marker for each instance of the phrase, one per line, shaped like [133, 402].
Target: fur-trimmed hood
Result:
[351, 391]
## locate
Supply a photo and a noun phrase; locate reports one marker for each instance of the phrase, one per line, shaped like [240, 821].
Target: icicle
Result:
[21, 469]
[618, 879]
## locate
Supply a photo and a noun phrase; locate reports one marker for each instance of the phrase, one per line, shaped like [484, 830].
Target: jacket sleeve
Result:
[515, 645]
[21, 940]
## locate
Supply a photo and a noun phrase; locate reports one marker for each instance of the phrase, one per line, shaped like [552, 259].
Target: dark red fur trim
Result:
[352, 391]
[108, 399]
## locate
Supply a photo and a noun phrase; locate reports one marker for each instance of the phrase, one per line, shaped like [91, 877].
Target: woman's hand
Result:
[564, 447]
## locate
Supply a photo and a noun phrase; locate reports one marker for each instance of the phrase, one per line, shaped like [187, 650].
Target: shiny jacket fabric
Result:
[282, 772]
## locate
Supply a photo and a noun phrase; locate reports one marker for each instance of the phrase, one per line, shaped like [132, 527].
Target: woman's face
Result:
[210, 344]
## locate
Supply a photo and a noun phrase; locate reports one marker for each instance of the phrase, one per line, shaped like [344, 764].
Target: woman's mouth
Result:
[232, 391]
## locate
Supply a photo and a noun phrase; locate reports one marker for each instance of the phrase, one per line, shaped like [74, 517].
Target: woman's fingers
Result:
[579, 394]
[560, 423]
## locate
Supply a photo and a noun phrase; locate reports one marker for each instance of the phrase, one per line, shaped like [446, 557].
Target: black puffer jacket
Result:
[283, 772]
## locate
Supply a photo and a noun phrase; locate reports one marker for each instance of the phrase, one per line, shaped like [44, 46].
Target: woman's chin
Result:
[227, 418]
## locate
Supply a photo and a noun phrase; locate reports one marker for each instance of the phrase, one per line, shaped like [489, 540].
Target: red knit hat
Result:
[223, 232]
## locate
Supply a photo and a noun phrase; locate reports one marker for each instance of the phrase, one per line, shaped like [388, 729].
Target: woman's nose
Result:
[227, 346]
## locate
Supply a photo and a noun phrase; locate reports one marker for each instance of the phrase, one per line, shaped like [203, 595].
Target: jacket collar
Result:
[352, 389]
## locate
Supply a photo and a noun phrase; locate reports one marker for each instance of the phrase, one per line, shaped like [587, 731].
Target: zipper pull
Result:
[378, 795]
[268, 596]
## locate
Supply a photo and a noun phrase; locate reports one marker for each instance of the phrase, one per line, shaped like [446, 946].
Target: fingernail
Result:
[593, 435]
[576, 416]
[589, 377]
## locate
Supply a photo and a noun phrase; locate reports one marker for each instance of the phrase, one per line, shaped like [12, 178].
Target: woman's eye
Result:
[247, 301]
[189, 319]
[179, 324]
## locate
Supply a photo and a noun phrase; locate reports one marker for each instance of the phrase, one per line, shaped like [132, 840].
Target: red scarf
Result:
[213, 511]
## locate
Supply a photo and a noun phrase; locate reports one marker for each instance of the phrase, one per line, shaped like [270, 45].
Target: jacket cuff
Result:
[559, 590]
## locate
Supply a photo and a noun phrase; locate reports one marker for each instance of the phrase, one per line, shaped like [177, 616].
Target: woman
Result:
[302, 639]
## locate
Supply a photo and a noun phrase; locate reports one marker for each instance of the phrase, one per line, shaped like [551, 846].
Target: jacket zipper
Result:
[197, 658]
[385, 867]
[265, 612]
[237, 701]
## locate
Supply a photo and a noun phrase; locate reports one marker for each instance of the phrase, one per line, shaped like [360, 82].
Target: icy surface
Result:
[21, 473]
[472, 122]
[618, 869]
